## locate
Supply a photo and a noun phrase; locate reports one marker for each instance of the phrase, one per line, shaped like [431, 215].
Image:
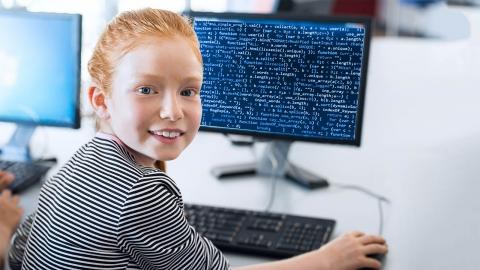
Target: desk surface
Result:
[420, 148]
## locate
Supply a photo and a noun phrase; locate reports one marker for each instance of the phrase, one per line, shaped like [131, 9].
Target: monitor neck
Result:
[274, 159]
[17, 149]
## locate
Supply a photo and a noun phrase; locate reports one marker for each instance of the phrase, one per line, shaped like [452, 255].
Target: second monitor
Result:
[286, 78]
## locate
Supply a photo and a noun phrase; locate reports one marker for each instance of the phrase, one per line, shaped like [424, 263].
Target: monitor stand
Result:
[273, 162]
[17, 149]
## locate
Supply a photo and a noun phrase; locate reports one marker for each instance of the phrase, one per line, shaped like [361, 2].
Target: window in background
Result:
[173, 5]
[246, 6]
[6, 3]
[250, 6]
[211, 6]
[425, 19]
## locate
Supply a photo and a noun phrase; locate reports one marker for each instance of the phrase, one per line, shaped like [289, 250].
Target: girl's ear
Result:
[97, 99]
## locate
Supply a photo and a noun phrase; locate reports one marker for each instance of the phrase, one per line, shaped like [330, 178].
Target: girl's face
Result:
[155, 107]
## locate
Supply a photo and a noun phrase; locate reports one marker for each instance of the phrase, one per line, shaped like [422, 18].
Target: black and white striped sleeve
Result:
[153, 230]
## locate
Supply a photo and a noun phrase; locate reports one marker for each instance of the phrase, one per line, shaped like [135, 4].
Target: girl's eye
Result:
[145, 90]
[188, 93]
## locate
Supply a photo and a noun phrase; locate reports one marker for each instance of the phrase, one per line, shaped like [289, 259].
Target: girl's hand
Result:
[5, 179]
[351, 250]
[10, 214]
[348, 252]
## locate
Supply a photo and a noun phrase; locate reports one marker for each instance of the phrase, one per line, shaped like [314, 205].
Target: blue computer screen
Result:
[298, 79]
[39, 68]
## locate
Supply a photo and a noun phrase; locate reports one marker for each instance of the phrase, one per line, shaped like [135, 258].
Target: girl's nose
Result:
[171, 109]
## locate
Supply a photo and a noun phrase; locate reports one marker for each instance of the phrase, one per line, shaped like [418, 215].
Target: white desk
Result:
[420, 148]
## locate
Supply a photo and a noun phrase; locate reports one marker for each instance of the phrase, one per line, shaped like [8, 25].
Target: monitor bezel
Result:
[366, 21]
[77, 24]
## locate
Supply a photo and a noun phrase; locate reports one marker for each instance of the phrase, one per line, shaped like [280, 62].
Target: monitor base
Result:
[295, 174]
[273, 163]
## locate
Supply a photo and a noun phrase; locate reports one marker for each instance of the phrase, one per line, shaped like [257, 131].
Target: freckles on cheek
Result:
[132, 119]
[138, 120]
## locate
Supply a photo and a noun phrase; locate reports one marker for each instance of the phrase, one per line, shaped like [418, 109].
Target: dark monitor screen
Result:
[284, 76]
[40, 68]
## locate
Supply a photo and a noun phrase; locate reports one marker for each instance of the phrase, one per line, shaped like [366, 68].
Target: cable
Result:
[362, 189]
[380, 200]
[380, 215]
[274, 180]
[248, 141]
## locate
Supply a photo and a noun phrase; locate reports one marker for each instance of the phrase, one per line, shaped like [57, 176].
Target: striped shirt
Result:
[102, 210]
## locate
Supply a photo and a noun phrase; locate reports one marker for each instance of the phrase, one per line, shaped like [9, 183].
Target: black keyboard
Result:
[259, 233]
[26, 173]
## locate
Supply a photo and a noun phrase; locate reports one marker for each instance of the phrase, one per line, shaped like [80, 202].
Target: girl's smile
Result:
[167, 136]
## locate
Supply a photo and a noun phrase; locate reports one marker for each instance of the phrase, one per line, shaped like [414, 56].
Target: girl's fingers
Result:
[16, 200]
[6, 175]
[375, 249]
[6, 179]
[357, 234]
[6, 194]
[371, 263]
[372, 239]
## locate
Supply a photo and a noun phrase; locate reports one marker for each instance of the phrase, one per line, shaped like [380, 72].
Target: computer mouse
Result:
[377, 256]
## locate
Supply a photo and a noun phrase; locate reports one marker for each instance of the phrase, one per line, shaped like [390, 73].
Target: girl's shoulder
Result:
[154, 176]
[110, 154]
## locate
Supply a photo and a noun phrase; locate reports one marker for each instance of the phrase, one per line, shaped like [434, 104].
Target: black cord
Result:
[273, 187]
[380, 199]
[249, 142]
[380, 214]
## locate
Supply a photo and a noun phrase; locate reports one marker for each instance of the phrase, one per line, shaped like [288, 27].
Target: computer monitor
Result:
[39, 75]
[284, 77]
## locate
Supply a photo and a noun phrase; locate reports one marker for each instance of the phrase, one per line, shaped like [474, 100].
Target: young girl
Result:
[110, 206]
